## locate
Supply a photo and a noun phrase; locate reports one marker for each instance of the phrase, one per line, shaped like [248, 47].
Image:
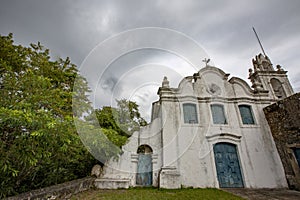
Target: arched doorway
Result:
[228, 166]
[144, 169]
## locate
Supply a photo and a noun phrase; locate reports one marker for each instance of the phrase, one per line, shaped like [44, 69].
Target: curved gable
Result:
[211, 69]
[241, 86]
[213, 82]
[185, 87]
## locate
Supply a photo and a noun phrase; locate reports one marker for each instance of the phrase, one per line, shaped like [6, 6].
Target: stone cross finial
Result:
[279, 68]
[206, 61]
[165, 82]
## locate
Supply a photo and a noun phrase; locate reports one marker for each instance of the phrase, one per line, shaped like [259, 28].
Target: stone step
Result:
[106, 183]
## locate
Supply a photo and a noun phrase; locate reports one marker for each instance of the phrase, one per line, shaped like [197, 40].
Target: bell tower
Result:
[265, 79]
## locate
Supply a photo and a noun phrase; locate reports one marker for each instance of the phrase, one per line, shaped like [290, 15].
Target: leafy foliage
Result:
[125, 119]
[105, 133]
[129, 117]
[102, 143]
[39, 145]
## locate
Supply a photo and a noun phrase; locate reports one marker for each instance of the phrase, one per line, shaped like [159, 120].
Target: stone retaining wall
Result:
[284, 120]
[59, 191]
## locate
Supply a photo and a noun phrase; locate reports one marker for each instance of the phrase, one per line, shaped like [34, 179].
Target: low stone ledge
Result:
[106, 183]
[59, 191]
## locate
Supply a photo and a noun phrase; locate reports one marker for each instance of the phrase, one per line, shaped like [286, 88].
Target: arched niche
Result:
[277, 88]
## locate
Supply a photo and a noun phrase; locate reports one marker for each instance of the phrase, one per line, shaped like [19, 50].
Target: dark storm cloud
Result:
[73, 28]
[223, 28]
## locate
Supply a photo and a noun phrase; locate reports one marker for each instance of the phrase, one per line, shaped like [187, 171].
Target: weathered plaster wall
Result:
[125, 167]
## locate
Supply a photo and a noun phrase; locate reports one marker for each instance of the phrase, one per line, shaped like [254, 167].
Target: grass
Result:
[154, 193]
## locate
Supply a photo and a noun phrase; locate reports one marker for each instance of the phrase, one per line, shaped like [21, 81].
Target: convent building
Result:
[210, 131]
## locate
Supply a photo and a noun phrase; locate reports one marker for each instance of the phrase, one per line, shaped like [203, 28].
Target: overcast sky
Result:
[223, 29]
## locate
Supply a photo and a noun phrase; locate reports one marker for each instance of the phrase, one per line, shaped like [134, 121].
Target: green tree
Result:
[39, 107]
[129, 117]
[109, 129]
[39, 145]
[124, 119]
[107, 117]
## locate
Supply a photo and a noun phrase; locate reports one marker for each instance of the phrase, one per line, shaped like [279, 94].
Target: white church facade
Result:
[210, 131]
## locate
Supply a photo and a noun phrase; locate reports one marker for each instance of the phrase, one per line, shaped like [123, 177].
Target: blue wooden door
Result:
[144, 175]
[227, 165]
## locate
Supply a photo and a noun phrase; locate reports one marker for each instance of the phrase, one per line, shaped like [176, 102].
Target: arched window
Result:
[190, 113]
[218, 114]
[277, 88]
[246, 114]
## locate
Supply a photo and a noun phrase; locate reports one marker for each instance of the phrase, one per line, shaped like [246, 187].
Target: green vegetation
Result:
[152, 193]
[125, 119]
[108, 129]
[39, 144]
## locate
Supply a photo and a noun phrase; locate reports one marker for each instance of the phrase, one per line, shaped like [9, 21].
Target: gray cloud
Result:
[223, 28]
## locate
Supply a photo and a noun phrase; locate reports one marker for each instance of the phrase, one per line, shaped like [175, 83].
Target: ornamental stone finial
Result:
[165, 82]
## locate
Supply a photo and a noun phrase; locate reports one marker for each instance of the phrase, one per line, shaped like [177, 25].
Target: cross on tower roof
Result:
[206, 61]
